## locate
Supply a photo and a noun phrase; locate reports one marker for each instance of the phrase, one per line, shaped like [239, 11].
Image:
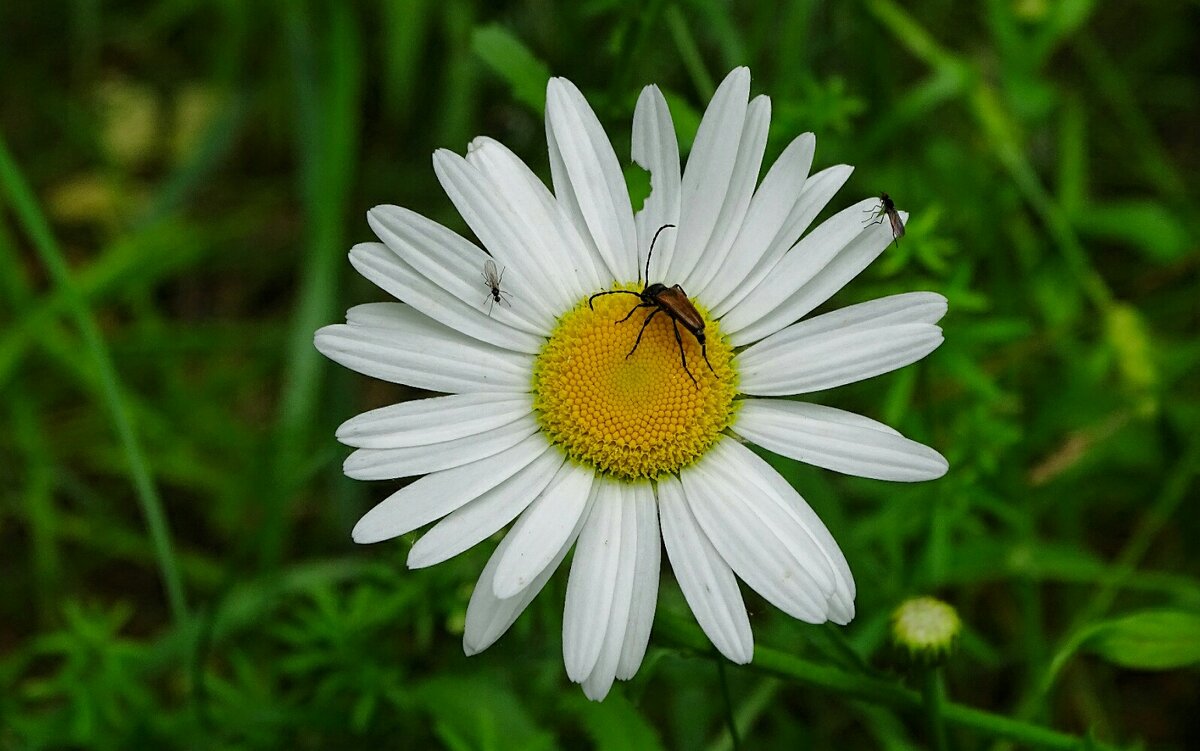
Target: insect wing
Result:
[490, 273]
[675, 301]
[897, 224]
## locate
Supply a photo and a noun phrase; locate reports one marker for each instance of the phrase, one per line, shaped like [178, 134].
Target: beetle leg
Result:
[613, 292]
[635, 309]
[682, 356]
[704, 351]
[645, 323]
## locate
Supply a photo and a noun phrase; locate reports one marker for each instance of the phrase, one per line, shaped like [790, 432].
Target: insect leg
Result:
[704, 351]
[645, 323]
[635, 308]
[682, 355]
[612, 292]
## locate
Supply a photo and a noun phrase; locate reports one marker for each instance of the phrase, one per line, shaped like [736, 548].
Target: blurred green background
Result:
[180, 183]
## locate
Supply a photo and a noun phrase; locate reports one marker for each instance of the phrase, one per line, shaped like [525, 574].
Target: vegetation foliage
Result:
[179, 185]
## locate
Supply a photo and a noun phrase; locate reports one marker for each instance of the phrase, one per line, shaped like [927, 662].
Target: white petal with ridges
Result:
[644, 598]
[816, 193]
[586, 167]
[821, 274]
[600, 680]
[552, 245]
[706, 178]
[754, 471]
[437, 494]
[424, 421]
[389, 272]
[811, 434]
[488, 616]
[769, 208]
[449, 261]
[389, 464]
[813, 355]
[543, 528]
[592, 582]
[486, 515]
[708, 584]
[737, 197]
[656, 149]
[475, 197]
[395, 343]
[749, 544]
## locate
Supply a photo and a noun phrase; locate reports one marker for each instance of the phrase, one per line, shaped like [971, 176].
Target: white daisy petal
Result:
[424, 421]
[484, 516]
[488, 616]
[817, 435]
[449, 261]
[746, 465]
[644, 598]
[400, 345]
[586, 170]
[729, 513]
[600, 680]
[437, 494]
[847, 345]
[812, 273]
[593, 580]
[741, 468]
[541, 531]
[835, 359]
[389, 272]
[389, 464]
[655, 148]
[800, 264]
[815, 194]
[772, 202]
[706, 177]
[551, 242]
[474, 195]
[737, 198]
[707, 582]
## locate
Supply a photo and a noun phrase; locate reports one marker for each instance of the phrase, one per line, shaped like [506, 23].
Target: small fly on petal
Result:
[887, 209]
[492, 279]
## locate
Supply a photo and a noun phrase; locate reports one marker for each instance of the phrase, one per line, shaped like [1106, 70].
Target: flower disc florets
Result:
[637, 416]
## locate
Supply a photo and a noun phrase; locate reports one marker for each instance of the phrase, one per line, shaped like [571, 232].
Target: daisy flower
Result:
[588, 427]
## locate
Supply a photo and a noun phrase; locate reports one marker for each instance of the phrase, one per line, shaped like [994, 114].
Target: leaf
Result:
[476, 714]
[510, 59]
[1145, 225]
[1152, 640]
[615, 724]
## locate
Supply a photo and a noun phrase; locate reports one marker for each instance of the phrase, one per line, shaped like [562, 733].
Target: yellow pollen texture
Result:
[632, 417]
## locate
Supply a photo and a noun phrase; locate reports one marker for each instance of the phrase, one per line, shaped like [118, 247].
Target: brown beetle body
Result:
[670, 300]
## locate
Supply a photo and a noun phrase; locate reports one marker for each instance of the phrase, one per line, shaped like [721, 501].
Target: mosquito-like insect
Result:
[492, 279]
[670, 300]
[887, 209]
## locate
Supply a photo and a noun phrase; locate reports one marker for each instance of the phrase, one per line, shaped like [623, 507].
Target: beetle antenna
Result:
[652, 241]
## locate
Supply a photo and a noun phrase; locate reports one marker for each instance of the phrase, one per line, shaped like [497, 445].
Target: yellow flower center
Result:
[632, 416]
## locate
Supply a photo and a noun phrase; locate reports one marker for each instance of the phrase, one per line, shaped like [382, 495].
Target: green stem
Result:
[31, 218]
[685, 635]
[933, 696]
[729, 719]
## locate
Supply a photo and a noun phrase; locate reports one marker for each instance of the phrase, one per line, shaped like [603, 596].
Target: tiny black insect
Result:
[670, 300]
[491, 280]
[887, 209]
